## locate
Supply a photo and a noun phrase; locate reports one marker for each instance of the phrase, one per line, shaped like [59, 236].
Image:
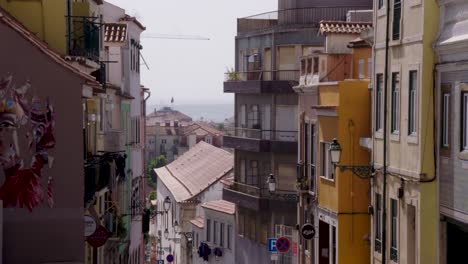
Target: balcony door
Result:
[286, 123]
[267, 65]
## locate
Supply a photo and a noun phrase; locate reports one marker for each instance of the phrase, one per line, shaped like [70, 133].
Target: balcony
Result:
[290, 18]
[111, 141]
[256, 198]
[277, 81]
[258, 140]
[84, 37]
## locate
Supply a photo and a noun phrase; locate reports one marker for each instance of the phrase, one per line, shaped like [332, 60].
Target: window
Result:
[316, 65]
[361, 68]
[394, 230]
[208, 139]
[221, 234]
[163, 141]
[215, 232]
[229, 234]
[396, 19]
[313, 152]
[381, 3]
[241, 227]
[395, 102]
[306, 150]
[464, 123]
[208, 230]
[445, 119]
[303, 67]
[176, 141]
[242, 171]
[253, 117]
[379, 103]
[378, 223]
[412, 107]
[252, 176]
[326, 168]
[309, 66]
[369, 68]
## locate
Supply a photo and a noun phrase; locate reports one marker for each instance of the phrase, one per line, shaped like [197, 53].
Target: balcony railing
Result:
[111, 140]
[84, 37]
[279, 135]
[263, 192]
[276, 75]
[296, 16]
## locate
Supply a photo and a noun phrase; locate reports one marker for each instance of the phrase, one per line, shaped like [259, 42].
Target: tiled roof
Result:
[198, 222]
[343, 27]
[114, 32]
[42, 46]
[134, 20]
[196, 170]
[221, 206]
[198, 129]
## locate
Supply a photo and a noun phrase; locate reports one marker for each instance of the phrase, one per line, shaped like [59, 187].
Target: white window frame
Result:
[379, 102]
[395, 103]
[326, 166]
[445, 130]
[361, 69]
[413, 85]
[394, 228]
[464, 123]
[229, 235]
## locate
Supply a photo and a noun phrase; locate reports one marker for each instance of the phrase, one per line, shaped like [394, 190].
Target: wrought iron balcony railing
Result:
[260, 75]
[295, 16]
[279, 135]
[84, 37]
[263, 192]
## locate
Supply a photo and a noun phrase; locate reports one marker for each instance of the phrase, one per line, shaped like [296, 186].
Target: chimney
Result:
[176, 123]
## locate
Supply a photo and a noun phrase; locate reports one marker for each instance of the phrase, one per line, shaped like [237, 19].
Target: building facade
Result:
[452, 129]
[405, 220]
[265, 137]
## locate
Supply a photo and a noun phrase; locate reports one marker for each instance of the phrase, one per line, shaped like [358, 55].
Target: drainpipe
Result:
[384, 202]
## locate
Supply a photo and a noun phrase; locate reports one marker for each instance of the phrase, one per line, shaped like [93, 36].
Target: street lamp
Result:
[176, 226]
[271, 183]
[362, 171]
[167, 204]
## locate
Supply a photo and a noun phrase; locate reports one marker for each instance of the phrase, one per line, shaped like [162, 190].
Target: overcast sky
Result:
[191, 71]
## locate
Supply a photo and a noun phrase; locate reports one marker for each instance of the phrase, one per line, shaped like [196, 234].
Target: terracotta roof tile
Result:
[198, 222]
[115, 32]
[343, 27]
[221, 206]
[196, 170]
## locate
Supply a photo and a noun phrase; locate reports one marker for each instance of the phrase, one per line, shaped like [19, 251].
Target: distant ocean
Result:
[209, 112]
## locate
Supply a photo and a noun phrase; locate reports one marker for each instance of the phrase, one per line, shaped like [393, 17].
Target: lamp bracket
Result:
[362, 171]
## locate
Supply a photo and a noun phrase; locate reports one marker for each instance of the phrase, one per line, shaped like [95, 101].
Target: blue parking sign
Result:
[272, 245]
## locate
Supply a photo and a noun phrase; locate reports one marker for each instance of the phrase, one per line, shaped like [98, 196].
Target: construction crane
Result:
[171, 36]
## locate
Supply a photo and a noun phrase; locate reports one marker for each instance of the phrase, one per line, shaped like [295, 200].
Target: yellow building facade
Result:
[343, 113]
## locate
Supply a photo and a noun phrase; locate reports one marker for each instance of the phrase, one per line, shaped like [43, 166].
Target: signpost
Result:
[272, 245]
[308, 231]
[283, 244]
[170, 258]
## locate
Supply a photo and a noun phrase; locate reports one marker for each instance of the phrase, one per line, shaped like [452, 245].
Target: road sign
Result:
[283, 244]
[308, 231]
[272, 245]
[160, 261]
[170, 258]
[90, 225]
[294, 249]
[99, 237]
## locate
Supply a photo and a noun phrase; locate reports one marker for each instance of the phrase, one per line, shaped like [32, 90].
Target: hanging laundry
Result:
[120, 163]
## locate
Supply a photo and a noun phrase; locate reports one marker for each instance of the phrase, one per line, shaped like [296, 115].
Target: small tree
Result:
[155, 163]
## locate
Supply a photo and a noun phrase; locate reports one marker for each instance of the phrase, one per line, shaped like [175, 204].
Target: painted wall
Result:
[56, 233]
[45, 18]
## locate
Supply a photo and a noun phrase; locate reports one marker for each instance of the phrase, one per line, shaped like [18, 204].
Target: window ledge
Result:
[395, 137]
[463, 155]
[378, 134]
[394, 43]
[413, 3]
[381, 12]
[412, 139]
[327, 179]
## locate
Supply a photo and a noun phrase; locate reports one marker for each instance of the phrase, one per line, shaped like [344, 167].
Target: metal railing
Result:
[260, 75]
[84, 37]
[279, 135]
[263, 192]
[297, 16]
